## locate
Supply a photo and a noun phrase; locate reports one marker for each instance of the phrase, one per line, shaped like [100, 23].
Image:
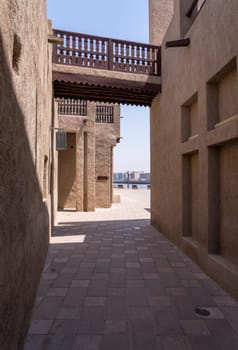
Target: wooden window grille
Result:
[72, 107]
[104, 114]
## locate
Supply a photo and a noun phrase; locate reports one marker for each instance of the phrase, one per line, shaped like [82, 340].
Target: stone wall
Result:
[82, 186]
[194, 133]
[106, 139]
[25, 116]
[160, 14]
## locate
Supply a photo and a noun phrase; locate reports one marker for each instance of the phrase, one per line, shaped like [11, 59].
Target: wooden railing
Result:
[72, 107]
[104, 114]
[98, 52]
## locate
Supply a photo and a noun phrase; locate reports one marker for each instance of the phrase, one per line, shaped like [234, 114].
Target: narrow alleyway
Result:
[112, 282]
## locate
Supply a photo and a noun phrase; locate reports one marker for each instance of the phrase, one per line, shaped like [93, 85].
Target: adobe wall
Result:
[194, 140]
[106, 139]
[160, 15]
[77, 183]
[85, 168]
[25, 117]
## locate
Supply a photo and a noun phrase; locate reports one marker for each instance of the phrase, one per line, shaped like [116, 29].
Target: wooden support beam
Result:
[177, 43]
[52, 39]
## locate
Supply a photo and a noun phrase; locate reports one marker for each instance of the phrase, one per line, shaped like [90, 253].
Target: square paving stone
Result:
[70, 270]
[150, 276]
[225, 301]
[43, 287]
[179, 291]
[159, 300]
[40, 327]
[75, 297]
[48, 308]
[116, 341]
[68, 313]
[34, 342]
[117, 292]
[134, 273]
[185, 307]
[224, 335]
[87, 342]
[60, 341]
[63, 281]
[135, 283]
[57, 292]
[140, 313]
[102, 267]
[60, 260]
[202, 343]
[188, 283]
[148, 267]
[167, 322]
[95, 301]
[231, 315]
[169, 280]
[65, 327]
[92, 320]
[116, 308]
[118, 278]
[48, 276]
[143, 334]
[80, 283]
[195, 327]
[98, 288]
[136, 297]
[116, 326]
[175, 343]
[100, 276]
[154, 287]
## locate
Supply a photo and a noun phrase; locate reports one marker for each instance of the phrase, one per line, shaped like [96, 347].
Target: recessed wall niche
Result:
[190, 195]
[223, 200]
[189, 118]
[222, 92]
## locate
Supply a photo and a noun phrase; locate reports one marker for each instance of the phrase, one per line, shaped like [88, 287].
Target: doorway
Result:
[67, 175]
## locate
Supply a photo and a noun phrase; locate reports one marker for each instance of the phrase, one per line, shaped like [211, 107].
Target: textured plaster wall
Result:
[25, 116]
[106, 138]
[79, 186]
[83, 186]
[67, 187]
[160, 14]
[194, 133]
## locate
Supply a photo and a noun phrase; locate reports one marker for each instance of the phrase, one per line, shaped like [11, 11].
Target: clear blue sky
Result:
[124, 19]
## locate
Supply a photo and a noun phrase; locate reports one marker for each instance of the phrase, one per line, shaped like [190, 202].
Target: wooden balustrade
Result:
[72, 107]
[97, 52]
[104, 114]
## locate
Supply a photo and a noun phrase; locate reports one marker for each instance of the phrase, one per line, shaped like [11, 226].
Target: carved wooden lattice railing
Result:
[105, 53]
[72, 107]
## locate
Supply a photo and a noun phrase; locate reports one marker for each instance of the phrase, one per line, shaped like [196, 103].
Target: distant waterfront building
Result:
[133, 176]
[118, 176]
[145, 177]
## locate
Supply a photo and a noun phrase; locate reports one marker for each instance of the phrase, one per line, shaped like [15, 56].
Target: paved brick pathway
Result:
[112, 282]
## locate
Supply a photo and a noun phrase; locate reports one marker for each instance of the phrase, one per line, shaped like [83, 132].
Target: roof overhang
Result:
[121, 89]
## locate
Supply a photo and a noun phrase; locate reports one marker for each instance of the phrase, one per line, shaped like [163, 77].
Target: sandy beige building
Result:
[194, 142]
[194, 133]
[25, 161]
[85, 167]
